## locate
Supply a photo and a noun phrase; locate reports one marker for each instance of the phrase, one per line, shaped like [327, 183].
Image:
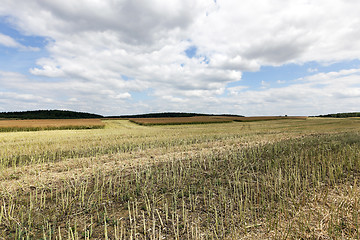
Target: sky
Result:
[114, 57]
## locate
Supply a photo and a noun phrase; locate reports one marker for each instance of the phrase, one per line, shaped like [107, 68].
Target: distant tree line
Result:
[172, 115]
[341, 115]
[64, 114]
[48, 114]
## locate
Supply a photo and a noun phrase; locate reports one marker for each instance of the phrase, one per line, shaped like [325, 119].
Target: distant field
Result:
[204, 119]
[49, 124]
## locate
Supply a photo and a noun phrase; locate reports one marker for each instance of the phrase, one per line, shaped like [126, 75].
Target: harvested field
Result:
[49, 124]
[288, 179]
[266, 118]
[204, 119]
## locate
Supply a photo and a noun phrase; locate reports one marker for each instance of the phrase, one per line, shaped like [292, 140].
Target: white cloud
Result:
[123, 95]
[94, 44]
[264, 84]
[311, 70]
[278, 32]
[236, 90]
[24, 97]
[337, 77]
[8, 41]
[319, 93]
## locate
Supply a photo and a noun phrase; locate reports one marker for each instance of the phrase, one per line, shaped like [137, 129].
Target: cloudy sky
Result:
[259, 57]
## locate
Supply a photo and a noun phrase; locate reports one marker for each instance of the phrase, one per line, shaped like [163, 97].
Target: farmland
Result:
[278, 179]
[203, 119]
[48, 124]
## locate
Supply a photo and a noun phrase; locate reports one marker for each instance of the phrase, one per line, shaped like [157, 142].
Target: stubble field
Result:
[283, 179]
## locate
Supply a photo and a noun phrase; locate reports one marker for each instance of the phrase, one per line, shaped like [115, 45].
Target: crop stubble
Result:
[274, 179]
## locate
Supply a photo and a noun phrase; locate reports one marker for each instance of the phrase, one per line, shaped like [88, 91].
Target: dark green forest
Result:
[341, 115]
[172, 114]
[48, 114]
[64, 114]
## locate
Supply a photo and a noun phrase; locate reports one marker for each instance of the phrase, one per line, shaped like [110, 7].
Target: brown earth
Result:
[44, 123]
[205, 119]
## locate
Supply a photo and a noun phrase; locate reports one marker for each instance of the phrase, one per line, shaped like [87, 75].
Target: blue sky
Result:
[128, 57]
[17, 59]
[285, 75]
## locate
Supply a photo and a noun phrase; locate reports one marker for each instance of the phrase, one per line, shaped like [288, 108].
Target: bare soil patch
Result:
[205, 119]
[41, 124]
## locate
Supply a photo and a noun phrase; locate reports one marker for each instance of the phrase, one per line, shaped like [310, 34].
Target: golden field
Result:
[275, 179]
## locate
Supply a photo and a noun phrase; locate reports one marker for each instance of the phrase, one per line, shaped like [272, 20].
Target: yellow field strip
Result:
[42, 175]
